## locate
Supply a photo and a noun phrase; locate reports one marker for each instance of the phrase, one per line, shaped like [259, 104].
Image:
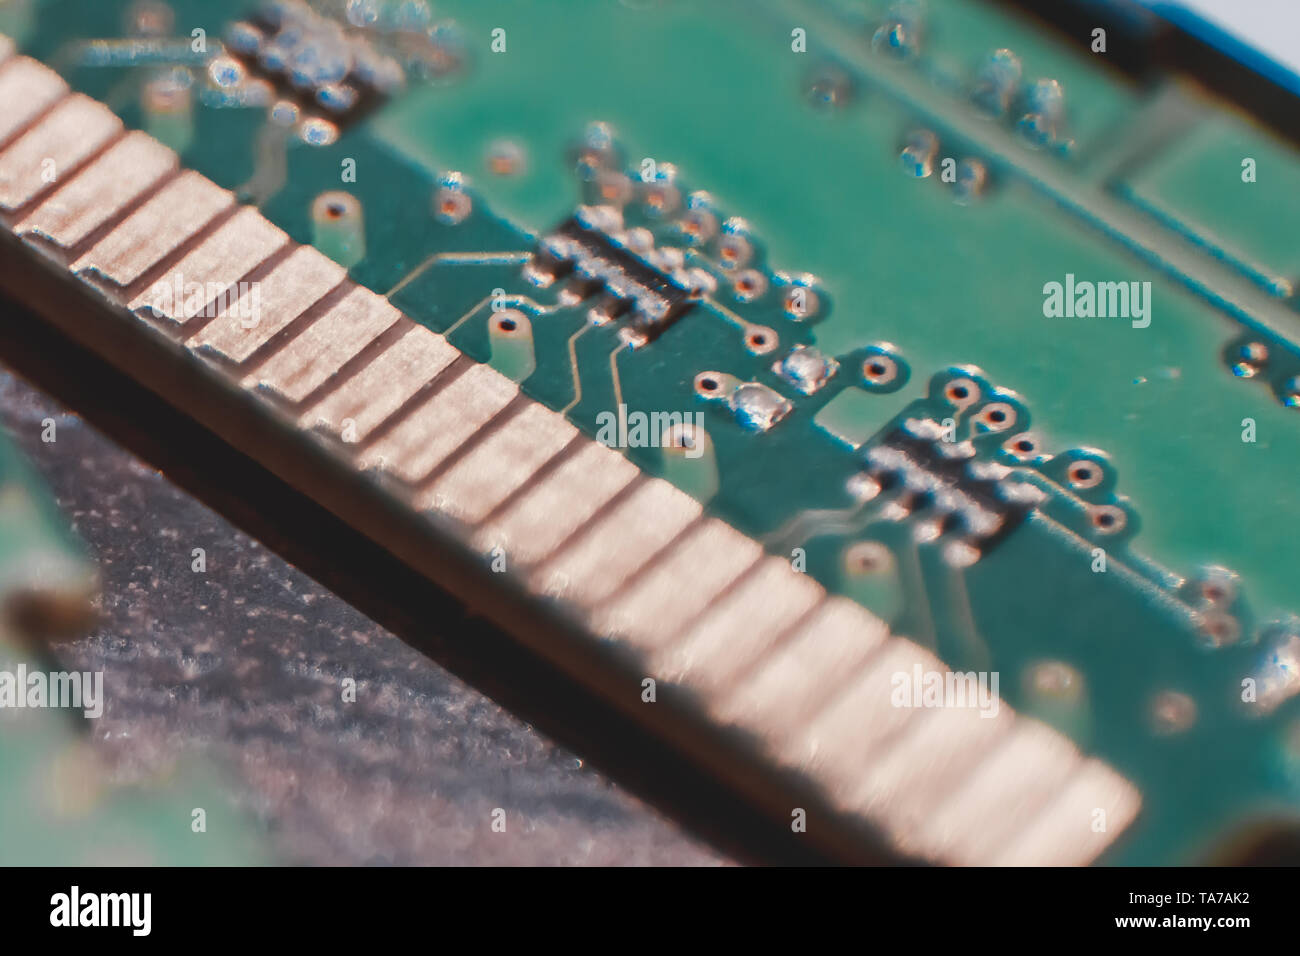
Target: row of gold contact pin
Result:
[761, 647]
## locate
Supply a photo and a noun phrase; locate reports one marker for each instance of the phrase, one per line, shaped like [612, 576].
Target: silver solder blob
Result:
[807, 368]
[996, 83]
[363, 13]
[1250, 359]
[919, 151]
[318, 132]
[412, 16]
[226, 72]
[243, 38]
[972, 177]
[829, 87]
[1277, 673]
[899, 34]
[1044, 113]
[758, 407]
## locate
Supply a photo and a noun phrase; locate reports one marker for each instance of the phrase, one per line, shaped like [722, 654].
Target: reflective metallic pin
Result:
[213, 268]
[27, 89]
[737, 630]
[321, 349]
[286, 292]
[679, 585]
[100, 191]
[838, 744]
[1012, 783]
[1079, 822]
[383, 386]
[175, 213]
[547, 513]
[920, 766]
[594, 564]
[477, 483]
[436, 430]
[53, 149]
[793, 680]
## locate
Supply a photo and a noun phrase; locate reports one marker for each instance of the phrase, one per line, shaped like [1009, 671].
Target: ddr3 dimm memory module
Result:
[615, 576]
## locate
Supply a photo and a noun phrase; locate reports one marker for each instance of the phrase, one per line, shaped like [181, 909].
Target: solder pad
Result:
[434, 315]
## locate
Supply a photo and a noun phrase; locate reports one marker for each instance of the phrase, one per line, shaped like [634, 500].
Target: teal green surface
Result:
[946, 283]
[1198, 184]
[715, 89]
[59, 806]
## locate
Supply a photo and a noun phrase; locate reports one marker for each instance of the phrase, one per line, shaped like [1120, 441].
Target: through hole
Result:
[879, 370]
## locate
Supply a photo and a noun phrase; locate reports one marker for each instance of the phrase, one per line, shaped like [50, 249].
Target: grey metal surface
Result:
[244, 664]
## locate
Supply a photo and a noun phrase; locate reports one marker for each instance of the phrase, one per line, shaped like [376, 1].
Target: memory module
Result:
[895, 498]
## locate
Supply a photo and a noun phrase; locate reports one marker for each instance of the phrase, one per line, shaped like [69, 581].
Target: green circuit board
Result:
[899, 239]
[45, 578]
